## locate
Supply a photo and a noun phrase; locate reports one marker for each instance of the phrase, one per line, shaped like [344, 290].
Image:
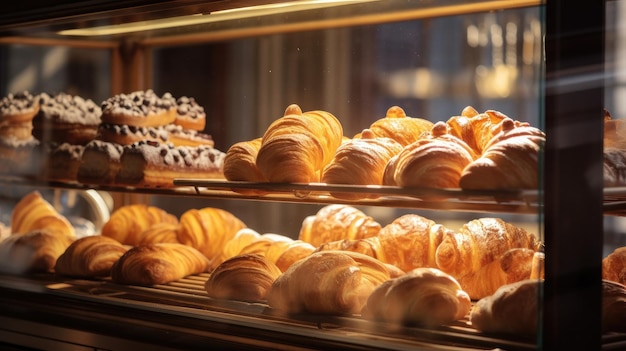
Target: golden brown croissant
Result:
[90, 256]
[294, 252]
[164, 232]
[614, 266]
[396, 125]
[614, 166]
[493, 313]
[296, 147]
[247, 277]
[278, 247]
[424, 296]
[240, 162]
[208, 229]
[509, 161]
[35, 251]
[33, 212]
[614, 132]
[434, 161]
[248, 241]
[128, 222]
[514, 265]
[233, 246]
[158, 264]
[328, 282]
[512, 309]
[480, 242]
[360, 161]
[337, 222]
[476, 129]
[613, 307]
[409, 242]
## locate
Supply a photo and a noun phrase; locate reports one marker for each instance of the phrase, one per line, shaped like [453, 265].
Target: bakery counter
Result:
[153, 314]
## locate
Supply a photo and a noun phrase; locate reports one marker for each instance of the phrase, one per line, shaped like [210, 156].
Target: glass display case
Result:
[549, 64]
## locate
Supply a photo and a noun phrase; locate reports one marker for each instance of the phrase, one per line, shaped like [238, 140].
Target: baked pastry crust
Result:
[246, 277]
[297, 146]
[398, 126]
[189, 114]
[153, 164]
[337, 222]
[65, 118]
[90, 257]
[35, 213]
[423, 296]
[328, 282]
[99, 163]
[140, 109]
[32, 252]
[127, 223]
[16, 116]
[161, 263]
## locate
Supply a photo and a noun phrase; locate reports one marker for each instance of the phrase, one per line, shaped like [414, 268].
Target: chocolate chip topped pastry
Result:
[16, 116]
[63, 161]
[14, 152]
[189, 114]
[154, 164]
[126, 134]
[66, 118]
[140, 108]
[179, 136]
[99, 163]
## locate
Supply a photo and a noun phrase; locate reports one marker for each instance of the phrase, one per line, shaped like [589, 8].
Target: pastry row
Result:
[471, 151]
[410, 271]
[68, 138]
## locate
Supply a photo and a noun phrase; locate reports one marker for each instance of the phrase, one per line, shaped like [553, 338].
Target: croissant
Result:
[476, 129]
[248, 241]
[247, 277]
[127, 223]
[208, 229]
[233, 246]
[514, 265]
[296, 147]
[90, 256]
[408, 242]
[613, 307]
[277, 248]
[614, 166]
[336, 222]
[292, 253]
[328, 282]
[510, 160]
[32, 252]
[493, 313]
[33, 212]
[424, 296]
[164, 232]
[614, 132]
[360, 161]
[614, 266]
[434, 161]
[240, 162]
[478, 243]
[396, 125]
[265, 242]
[158, 264]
